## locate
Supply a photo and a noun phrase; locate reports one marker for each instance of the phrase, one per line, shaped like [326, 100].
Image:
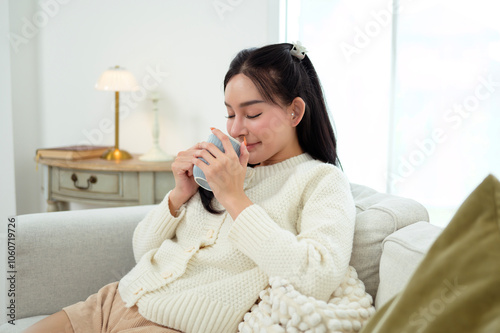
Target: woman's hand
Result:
[225, 172]
[185, 186]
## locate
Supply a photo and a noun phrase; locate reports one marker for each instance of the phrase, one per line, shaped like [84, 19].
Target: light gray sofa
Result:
[64, 257]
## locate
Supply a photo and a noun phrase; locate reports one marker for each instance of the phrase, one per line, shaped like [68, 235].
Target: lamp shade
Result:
[117, 79]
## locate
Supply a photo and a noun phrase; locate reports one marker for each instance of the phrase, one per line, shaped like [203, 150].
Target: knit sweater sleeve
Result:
[157, 226]
[316, 258]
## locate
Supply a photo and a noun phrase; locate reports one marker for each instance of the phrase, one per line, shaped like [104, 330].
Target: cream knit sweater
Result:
[199, 272]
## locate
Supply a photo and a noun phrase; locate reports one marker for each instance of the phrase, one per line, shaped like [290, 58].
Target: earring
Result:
[293, 115]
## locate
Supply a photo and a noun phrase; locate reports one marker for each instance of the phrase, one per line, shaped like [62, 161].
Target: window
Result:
[415, 97]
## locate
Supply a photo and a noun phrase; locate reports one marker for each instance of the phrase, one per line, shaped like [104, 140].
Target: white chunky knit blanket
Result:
[281, 308]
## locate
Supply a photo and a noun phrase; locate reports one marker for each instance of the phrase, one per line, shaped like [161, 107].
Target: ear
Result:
[296, 111]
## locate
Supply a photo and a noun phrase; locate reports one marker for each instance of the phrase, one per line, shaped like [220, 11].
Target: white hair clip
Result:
[298, 50]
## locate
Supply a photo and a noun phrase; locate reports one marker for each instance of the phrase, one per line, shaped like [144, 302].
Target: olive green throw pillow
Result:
[456, 288]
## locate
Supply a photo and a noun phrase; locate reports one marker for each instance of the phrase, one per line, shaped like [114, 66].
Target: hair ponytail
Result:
[315, 132]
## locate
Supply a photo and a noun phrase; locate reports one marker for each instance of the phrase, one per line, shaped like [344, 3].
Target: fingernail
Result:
[245, 140]
[212, 128]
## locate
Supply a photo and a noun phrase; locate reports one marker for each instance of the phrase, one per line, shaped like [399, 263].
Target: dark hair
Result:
[280, 77]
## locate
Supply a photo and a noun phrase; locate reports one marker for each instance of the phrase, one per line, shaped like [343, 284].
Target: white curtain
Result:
[415, 99]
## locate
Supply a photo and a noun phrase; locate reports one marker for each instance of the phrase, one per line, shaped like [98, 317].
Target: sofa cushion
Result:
[63, 257]
[456, 286]
[401, 254]
[377, 216]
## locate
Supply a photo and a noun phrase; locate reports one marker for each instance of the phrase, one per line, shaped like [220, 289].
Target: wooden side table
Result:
[109, 183]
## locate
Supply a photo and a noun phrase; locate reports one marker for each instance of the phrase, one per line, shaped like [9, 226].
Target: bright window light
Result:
[415, 101]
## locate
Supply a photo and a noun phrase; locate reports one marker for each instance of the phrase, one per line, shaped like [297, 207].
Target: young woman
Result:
[283, 208]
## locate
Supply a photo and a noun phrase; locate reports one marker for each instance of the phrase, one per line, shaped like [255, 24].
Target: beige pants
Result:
[105, 312]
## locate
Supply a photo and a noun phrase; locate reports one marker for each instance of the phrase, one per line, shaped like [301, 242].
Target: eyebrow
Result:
[244, 104]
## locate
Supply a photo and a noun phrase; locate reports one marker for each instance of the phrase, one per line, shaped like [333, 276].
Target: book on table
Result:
[77, 152]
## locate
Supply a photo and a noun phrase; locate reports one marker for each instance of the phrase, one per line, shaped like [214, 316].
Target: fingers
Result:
[212, 149]
[183, 161]
[206, 155]
[200, 164]
[226, 142]
[183, 164]
[244, 155]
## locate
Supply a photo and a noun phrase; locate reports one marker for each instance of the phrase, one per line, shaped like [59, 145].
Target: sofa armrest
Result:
[402, 252]
[64, 257]
[378, 215]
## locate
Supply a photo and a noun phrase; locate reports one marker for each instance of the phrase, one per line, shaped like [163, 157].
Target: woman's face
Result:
[268, 128]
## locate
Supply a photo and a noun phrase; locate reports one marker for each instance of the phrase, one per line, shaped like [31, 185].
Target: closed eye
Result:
[252, 117]
[248, 117]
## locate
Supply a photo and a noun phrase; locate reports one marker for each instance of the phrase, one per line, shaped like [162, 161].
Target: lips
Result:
[251, 146]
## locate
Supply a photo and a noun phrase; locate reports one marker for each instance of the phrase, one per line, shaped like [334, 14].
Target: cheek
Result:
[272, 127]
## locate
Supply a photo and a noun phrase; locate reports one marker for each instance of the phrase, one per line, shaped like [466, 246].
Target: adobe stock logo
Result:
[421, 318]
[30, 28]
[379, 21]
[150, 82]
[372, 29]
[223, 6]
[455, 116]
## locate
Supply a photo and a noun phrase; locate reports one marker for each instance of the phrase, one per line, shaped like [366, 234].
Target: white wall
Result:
[7, 174]
[8, 201]
[25, 105]
[188, 44]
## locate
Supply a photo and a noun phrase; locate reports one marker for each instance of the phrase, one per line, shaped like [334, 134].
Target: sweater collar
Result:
[261, 172]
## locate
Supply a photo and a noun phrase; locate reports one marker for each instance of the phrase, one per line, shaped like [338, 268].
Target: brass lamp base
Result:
[115, 154]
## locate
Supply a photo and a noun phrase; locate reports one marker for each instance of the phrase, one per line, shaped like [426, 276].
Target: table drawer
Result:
[92, 182]
[102, 187]
[105, 183]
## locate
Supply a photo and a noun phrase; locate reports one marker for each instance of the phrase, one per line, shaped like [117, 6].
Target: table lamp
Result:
[117, 79]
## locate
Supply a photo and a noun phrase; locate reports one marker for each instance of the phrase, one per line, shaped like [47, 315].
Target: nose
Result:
[236, 127]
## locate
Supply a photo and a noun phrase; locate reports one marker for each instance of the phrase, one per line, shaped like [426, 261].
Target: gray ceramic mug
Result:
[199, 176]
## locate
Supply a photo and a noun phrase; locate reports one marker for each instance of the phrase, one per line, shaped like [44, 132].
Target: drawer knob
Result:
[90, 180]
